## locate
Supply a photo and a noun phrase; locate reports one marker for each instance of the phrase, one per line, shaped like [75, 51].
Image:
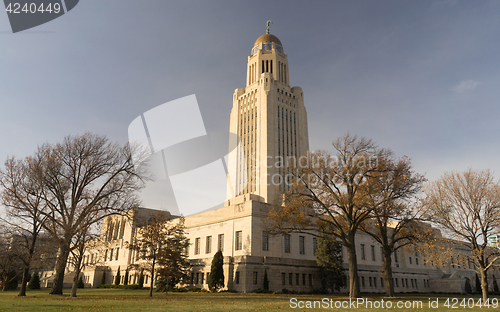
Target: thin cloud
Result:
[466, 85]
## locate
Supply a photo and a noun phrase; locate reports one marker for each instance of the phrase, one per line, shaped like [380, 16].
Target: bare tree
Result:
[328, 190]
[21, 194]
[466, 206]
[393, 219]
[84, 179]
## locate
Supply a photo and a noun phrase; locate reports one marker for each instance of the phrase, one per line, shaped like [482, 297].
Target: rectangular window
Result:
[410, 260]
[416, 261]
[290, 278]
[111, 254]
[363, 256]
[304, 279]
[382, 282]
[287, 243]
[310, 280]
[197, 280]
[283, 279]
[202, 278]
[374, 282]
[255, 275]
[237, 277]
[396, 256]
[117, 253]
[362, 281]
[373, 252]
[370, 280]
[220, 243]
[315, 245]
[396, 282]
[197, 246]
[297, 279]
[265, 241]
[208, 247]
[412, 283]
[302, 245]
[239, 241]
[406, 283]
[381, 254]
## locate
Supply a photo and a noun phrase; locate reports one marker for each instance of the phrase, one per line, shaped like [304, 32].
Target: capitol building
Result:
[270, 118]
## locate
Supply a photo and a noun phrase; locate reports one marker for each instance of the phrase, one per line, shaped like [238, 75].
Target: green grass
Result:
[138, 300]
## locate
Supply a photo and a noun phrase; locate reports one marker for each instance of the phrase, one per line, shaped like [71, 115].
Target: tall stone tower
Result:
[270, 120]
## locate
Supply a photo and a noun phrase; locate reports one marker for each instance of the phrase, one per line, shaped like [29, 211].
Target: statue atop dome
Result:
[267, 26]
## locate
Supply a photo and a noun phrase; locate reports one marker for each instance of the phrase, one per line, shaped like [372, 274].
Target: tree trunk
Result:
[27, 265]
[152, 278]
[354, 291]
[22, 292]
[389, 283]
[75, 283]
[57, 286]
[484, 283]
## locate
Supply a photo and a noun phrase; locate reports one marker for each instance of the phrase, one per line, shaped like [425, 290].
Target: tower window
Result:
[239, 240]
[287, 243]
[265, 241]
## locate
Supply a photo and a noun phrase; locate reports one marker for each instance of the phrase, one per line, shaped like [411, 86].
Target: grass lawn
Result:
[138, 300]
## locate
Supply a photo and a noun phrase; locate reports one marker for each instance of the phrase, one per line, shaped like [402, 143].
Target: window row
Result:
[208, 243]
[296, 280]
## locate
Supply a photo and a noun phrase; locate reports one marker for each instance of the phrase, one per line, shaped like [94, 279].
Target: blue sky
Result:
[419, 77]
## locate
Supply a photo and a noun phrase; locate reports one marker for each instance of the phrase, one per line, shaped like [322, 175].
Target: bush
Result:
[319, 291]
[233, 291]
[12, 278]
[261, 291]
[287, 291]
[117, 277]
[216, 277]
[103, 279]
[131, 286]
[197, 289]
[125, 279]
[176, 289]
[141, 279]
[34, 282]
[80, 283]
[266, 281]
[468, 287]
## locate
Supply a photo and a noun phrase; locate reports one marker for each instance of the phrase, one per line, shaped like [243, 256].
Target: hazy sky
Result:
[419, 77]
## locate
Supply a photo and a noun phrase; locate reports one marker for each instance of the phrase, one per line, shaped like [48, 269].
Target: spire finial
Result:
[267, 26]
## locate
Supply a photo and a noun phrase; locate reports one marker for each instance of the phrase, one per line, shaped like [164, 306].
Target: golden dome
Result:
[267, 37]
